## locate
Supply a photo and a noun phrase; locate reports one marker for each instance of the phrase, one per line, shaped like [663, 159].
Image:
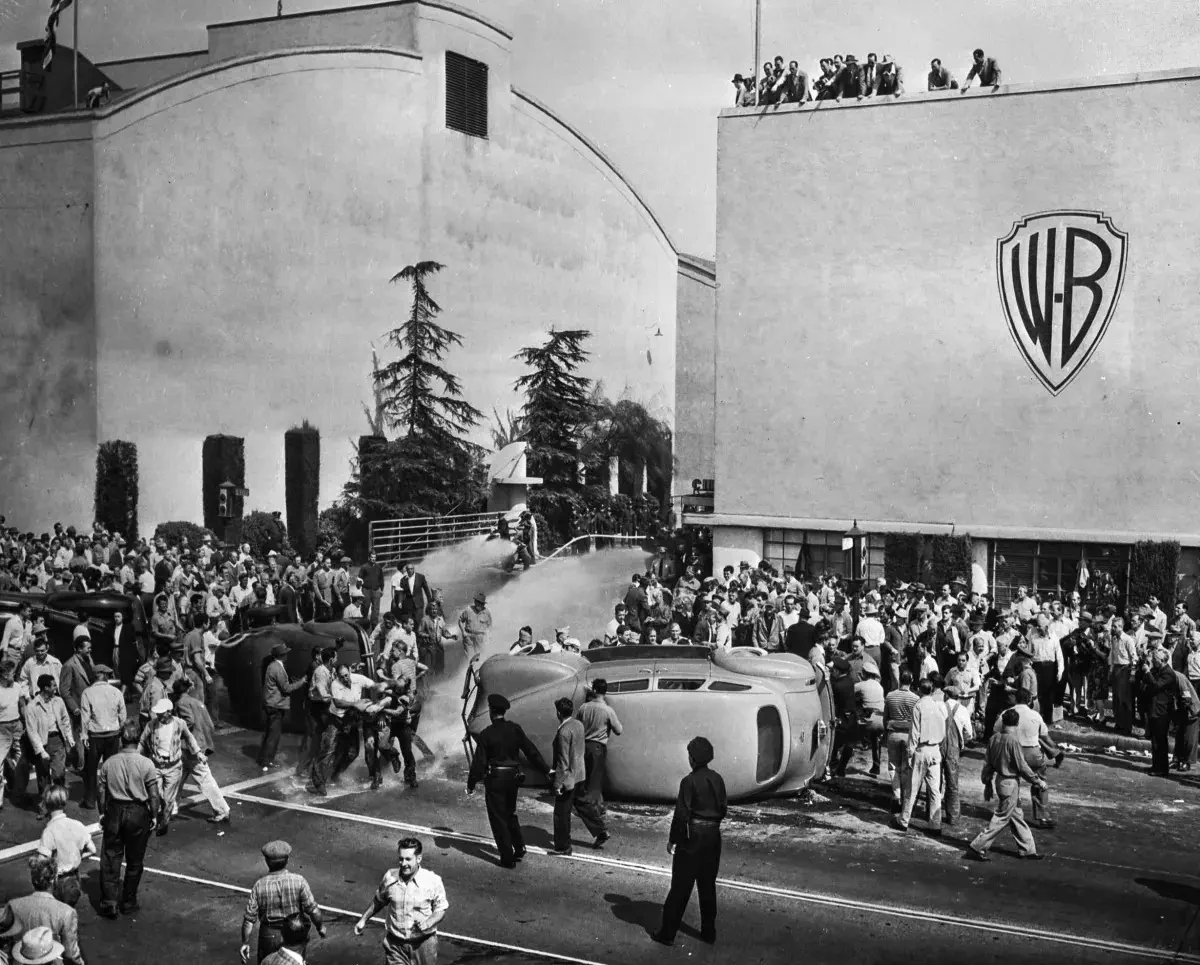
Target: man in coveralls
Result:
[495, 763]
[695, 842]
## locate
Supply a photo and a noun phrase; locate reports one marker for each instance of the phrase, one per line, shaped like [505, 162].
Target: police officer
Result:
[495, 763]
[695, 842]
[130, 801]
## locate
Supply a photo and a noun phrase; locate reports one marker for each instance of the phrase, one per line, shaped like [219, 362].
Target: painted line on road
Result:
[466, 939]
[804, 897]
[20, 850]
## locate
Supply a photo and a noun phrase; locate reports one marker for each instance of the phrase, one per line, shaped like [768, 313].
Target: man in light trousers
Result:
[925, 758]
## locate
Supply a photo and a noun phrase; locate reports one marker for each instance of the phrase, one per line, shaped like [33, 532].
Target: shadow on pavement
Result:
[469, 849]
[646, 915]
[1174, 890]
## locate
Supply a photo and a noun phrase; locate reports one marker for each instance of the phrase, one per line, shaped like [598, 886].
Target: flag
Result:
[56, 9]
[1084, 575]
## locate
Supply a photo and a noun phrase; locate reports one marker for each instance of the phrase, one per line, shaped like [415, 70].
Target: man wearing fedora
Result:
[475, 622]
[496, 764]
[277, 700]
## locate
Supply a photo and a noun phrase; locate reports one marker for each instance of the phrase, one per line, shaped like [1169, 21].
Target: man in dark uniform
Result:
[130, 800]
[495, 763]
[695, 842]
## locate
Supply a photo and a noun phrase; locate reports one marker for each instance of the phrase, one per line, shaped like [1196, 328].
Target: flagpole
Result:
[75, 43]
[757, 43]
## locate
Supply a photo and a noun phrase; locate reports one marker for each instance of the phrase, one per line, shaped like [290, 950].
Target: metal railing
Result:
[23, 86]
[399, 541]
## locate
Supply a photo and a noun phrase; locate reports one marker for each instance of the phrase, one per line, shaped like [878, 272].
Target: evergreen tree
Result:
[431, 467]
[557, 405]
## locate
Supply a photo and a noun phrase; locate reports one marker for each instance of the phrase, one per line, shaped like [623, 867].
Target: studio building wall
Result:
[250, 212]
[878, 378]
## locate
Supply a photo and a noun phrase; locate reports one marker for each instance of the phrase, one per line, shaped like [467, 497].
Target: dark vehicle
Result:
[63, 612]
[242, 662]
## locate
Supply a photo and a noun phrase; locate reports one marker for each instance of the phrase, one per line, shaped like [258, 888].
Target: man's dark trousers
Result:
[696, 863]
[1159, 732]
[501, 804]
[99, 749]
[595, 763]
[574, 799]
[126, 826]
[272, 732]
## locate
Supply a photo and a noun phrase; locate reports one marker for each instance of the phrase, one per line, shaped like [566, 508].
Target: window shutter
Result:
[466, 95]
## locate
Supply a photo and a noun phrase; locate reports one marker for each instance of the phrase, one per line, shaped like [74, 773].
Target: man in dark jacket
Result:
[496, 764]
[371, 574]
[1160, 689]
[695, 843]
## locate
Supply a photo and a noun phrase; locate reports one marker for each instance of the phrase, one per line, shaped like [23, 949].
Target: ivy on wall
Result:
[1154, 571]
[116, 502]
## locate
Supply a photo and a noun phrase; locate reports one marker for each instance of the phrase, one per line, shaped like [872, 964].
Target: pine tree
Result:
[557, 405]
[431, 467]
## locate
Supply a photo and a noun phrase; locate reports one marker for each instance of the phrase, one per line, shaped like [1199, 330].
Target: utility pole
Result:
[757, 45]
[75, 58]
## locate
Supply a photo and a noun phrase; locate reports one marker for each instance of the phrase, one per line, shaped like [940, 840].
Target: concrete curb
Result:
[1094, 741]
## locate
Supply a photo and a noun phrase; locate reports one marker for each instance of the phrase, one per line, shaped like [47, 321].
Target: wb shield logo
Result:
[1060, 276]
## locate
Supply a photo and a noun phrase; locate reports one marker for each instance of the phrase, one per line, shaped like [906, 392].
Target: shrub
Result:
[302, 482]
[949, 559]
[224, 460]
[176, 531]
[902, 557]
[265, 532]
[1154, 570]
[116, 501]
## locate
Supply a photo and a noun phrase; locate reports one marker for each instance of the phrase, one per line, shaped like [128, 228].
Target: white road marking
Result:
[806, 897]
[466, 939]
[19, 850]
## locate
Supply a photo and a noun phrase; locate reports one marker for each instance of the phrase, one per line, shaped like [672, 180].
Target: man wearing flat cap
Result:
[276, 897]
[496, 764]
[695, 843]
[101, 717]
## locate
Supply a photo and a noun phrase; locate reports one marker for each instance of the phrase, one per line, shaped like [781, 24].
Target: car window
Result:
[679, 683]
[627, 686]
[728, 686]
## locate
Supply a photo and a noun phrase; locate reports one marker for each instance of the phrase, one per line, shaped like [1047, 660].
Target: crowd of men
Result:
[842, 76]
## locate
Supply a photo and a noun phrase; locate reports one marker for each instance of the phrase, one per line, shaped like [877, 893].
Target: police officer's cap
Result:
[498, 703]
[276, 850]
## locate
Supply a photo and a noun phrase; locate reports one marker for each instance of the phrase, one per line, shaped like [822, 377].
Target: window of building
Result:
[814, 552]
[1055, 568]
[466, 95]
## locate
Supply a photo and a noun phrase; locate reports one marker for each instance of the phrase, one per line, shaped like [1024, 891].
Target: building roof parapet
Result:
[974, 93]
[439, 4]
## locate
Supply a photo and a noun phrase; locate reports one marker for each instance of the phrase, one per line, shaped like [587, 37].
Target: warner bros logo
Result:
[1060, 276]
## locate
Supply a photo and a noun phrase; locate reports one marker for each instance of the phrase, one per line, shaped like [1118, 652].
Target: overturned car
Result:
[769, 716]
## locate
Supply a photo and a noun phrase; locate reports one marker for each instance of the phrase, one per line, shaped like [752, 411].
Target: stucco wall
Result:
[249, 222]
[47, 367]
[383, 26]
[695, 377]
[879, 378]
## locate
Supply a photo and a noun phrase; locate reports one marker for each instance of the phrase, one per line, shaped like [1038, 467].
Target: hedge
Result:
[116, 502]
[932, 560]
[176, 531]
[224, 460]
[369, 448]
[302, 484]
[265, 532]
[1153, 571]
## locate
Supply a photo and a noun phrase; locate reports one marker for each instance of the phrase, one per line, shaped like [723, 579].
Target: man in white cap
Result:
[165, 740]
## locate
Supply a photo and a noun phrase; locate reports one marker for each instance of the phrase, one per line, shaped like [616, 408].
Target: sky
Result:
[645, 79]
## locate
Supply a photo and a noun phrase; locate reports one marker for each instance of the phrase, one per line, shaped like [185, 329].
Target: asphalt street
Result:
[826, 877]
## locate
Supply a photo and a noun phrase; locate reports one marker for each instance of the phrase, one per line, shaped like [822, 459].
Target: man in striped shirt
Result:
[897, 721]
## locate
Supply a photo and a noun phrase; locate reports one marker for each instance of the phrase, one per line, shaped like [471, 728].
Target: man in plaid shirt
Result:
[276, 897]
[416, 902]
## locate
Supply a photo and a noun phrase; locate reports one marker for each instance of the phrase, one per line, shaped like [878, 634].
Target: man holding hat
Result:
[475, 623]
[277, 896]
[496, 763]
[165, 741]
[695, 843]
[277, 700]
[51, 922]
[101, 717]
